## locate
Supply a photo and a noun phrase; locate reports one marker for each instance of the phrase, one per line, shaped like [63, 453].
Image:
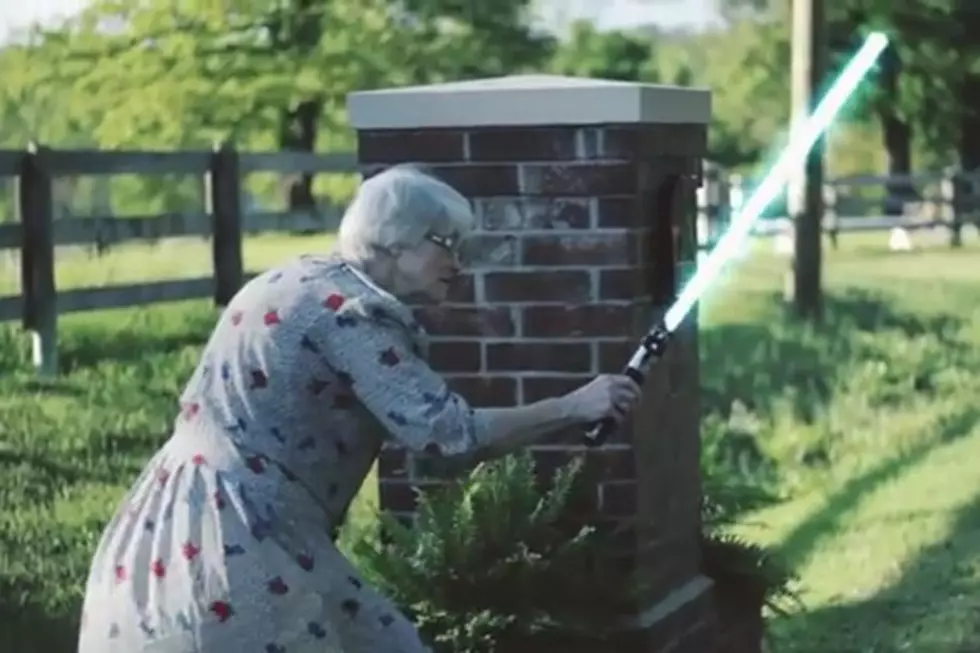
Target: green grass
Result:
[871, 428]
[69, 448]
[867, 426]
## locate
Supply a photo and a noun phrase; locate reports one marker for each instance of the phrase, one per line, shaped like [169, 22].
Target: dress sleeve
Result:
[374, 353]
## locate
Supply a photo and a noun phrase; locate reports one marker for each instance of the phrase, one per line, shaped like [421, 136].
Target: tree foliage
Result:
[170, 75]
[618, 55]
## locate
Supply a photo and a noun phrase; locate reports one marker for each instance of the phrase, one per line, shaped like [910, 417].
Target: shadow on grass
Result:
[113, 459]
[932, 608]
[53, 388]
[761, 362]
[56, 474]
[43, 616]
[803, 540]
[32, 628]
[44, 561]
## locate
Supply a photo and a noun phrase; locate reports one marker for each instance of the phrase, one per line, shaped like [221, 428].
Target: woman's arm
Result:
[514, 428]
[419, 410]
[608, 395]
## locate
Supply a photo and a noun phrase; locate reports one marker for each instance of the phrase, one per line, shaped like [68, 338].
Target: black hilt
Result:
[651, 350]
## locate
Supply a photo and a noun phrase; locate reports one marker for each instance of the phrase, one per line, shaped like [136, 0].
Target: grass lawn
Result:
[869, 426]
[874, 426]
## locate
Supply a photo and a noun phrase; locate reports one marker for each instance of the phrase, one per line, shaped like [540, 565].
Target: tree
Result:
[806, 205]
[914, 93]
[269, 75]
[619, 55]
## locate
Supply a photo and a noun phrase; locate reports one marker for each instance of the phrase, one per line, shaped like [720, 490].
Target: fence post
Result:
[711, 205]
[735, 195]
[40, 299]
[225, 206]
[830, 214]
[949, 192]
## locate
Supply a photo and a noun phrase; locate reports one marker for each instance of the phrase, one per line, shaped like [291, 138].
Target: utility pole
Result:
[805, 201]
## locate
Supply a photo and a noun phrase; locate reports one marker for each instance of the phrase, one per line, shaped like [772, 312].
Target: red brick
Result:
[490, 250]
[624, 283]
[522, 144]
[529, 180]
[480, 180]
[489, 322]
[578, 179]
[574, 436]
[368, 170]
[397, 496]
[644, 142]
[397, 146]
[619, 498]
[584, 501]
[486, 391]
[684, 559]
[605, 464]
[537, 388]
[591, 248]
[613, 355]
[590, 321]
[571, 437]
[455, 356]
[620, 212]
[544, 356]
[462, 291]
[507, 213]
[650, 249]
[544, 286]
[392, 463]
[427, 468]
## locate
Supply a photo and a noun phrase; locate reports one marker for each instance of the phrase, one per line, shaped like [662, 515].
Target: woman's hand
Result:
[607, 395]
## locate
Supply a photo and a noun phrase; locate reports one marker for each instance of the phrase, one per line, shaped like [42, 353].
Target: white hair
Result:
[396, 208]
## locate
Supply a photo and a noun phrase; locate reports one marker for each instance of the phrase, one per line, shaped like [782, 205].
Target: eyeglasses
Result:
[449, 243]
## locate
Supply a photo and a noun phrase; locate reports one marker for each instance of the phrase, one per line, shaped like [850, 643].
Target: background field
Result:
[868, 428]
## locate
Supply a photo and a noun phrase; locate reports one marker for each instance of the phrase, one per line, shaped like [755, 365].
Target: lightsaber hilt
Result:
[651, 349]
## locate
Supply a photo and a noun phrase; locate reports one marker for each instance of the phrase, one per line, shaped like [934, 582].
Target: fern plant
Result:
[492, 560]
[493, 563]
[732, 561]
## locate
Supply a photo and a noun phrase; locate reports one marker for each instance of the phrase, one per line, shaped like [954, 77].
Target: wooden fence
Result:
[947, 200]
[225, 220]
[38, 233]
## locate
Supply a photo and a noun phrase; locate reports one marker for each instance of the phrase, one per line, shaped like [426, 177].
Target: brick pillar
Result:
[585, 192]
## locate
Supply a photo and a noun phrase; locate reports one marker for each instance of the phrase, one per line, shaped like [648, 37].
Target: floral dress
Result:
[225, 542]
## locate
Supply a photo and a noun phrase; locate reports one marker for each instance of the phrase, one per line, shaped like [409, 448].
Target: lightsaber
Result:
[802, 139]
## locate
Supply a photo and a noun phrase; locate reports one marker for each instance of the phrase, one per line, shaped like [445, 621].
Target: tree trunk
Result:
[296, 26]
[897, 135]
[803, 287]
[898, 149]
[968, 149]
[298, 132]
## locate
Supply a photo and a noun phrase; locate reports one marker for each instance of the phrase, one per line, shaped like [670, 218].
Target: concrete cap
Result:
[527, 100]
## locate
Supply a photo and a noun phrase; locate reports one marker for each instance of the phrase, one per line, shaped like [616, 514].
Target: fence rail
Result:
[225, 220]
[929, 200]
[120, 296]
[118, 162]
[107, 230]
[10, 163]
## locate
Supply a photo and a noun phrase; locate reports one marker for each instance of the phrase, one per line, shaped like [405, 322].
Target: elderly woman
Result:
[224, 542]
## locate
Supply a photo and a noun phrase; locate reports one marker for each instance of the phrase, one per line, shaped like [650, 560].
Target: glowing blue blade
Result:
[792, 158]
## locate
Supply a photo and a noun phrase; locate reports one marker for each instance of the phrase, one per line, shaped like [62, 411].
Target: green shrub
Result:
[492, 563]
[493, 558]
